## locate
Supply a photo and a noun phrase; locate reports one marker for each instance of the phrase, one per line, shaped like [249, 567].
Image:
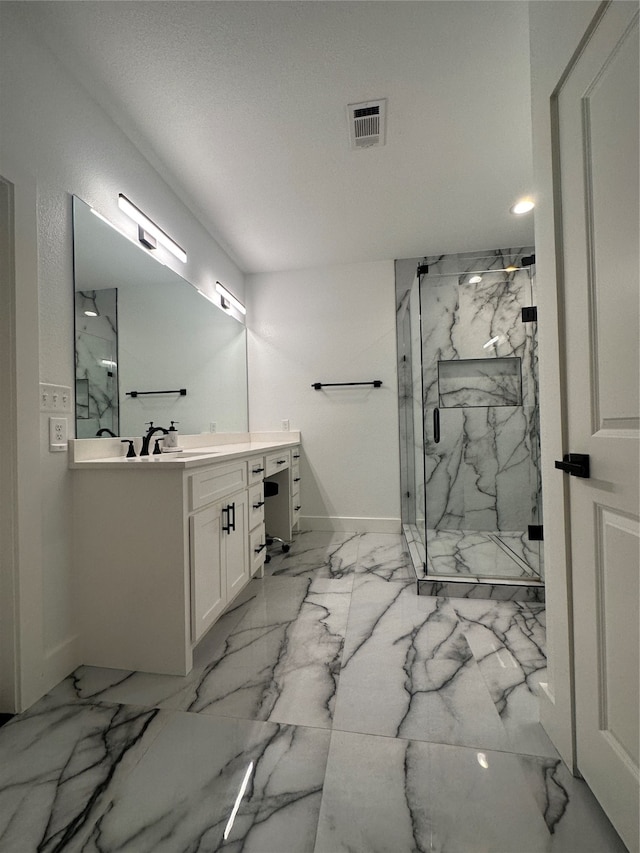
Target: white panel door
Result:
[596, 174]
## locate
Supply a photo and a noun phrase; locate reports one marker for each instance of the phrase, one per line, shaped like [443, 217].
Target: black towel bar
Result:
[181, 391]
[318, 385]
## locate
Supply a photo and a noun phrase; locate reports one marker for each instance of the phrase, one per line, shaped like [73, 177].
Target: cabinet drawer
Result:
[256, 469]
[216, 482]
[295, 509]
[275, 462]
[295, 478]
[295, 456]
[256, 505]
[257, 548]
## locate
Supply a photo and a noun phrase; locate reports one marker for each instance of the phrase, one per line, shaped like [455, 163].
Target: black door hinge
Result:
[529, 261]
[423, 269]
[535, 533]
[530, 314]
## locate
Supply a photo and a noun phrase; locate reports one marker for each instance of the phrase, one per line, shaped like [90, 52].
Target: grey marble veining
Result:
[481, 554]
[59, 763]
[323, 715]
[317, 555]
[272, 774]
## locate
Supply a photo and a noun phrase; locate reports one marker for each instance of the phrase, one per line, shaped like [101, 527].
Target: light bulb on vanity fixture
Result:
[149, 234]
[227, 299]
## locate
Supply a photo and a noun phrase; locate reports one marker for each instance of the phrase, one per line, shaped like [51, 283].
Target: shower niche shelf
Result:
[475, 382]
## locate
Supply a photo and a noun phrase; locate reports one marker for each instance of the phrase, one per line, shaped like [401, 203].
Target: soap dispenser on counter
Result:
[171, 438]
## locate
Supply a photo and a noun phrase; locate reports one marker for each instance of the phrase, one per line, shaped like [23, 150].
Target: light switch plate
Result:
[55, 398]
[58, 436]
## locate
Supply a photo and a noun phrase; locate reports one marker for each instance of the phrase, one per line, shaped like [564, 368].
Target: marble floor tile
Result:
[508, 644]
[218, 784]
[58, 764]
[429, 688]
[317, 555]
[573, 816]
[427, 708]
[282, 659]
[385, 555]
[389, 795]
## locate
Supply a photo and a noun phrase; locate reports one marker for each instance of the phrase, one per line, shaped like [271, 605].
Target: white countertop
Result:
[110, 453]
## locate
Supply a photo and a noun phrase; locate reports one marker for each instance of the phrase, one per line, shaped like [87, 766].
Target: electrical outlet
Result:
[55, 398]
[212, 426]
[57, 434]
[285, 424]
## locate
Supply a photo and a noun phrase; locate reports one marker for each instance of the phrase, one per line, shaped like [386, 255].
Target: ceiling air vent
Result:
[367, 123]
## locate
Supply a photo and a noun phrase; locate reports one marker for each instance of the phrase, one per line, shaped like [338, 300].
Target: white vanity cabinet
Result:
[163, 545]
[218, 553]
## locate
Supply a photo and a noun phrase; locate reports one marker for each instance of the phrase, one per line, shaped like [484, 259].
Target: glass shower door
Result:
[480, 423]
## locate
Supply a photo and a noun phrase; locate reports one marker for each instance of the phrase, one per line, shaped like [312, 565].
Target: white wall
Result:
[57, 141]
[334, 324]
[555, 32]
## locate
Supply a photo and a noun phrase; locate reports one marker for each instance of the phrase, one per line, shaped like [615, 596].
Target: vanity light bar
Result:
[229, 297]
[151, 228]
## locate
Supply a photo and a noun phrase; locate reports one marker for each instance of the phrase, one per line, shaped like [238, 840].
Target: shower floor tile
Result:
[480, 554]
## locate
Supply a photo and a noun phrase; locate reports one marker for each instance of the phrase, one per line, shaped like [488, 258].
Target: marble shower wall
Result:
[483, 474]
[96, 357]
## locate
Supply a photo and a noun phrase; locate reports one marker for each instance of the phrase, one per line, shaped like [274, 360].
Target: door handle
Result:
[436, 426]
[576, 464]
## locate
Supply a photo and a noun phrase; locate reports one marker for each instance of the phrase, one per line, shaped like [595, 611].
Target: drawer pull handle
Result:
[258, 505]
[296, 479]
[257, 470]
[261, 548]
[296, 508]
[226, 527]
[296, 456]
[281, 461]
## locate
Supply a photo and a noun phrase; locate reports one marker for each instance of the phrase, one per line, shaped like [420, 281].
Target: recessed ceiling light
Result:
[522, 206]
[91, 313]
[475, 279]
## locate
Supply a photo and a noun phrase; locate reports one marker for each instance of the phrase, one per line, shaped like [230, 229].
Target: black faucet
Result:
[105, 431]
[147, 438]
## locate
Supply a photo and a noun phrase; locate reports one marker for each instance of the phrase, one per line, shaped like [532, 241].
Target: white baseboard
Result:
[343, 524]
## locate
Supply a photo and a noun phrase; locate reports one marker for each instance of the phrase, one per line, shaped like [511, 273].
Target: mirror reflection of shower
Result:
[469, 426]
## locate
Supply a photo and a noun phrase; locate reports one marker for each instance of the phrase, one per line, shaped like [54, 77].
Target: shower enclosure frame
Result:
[468, 372]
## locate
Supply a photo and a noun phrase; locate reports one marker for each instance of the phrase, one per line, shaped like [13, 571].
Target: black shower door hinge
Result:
[535, 533]
[530, 314]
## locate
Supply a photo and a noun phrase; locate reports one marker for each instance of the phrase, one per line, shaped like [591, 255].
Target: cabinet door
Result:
[235, 544]
[208, 593]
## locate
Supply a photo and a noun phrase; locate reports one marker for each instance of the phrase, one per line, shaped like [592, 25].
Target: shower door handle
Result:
[436, 426]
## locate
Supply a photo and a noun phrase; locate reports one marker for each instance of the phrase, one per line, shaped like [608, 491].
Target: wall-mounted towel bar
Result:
[318, 385]
[181, 391]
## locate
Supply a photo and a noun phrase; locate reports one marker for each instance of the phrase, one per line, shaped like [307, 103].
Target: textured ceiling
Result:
[242, 107]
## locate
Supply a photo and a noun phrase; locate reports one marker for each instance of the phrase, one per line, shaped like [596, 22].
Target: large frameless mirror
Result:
[148, 346]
